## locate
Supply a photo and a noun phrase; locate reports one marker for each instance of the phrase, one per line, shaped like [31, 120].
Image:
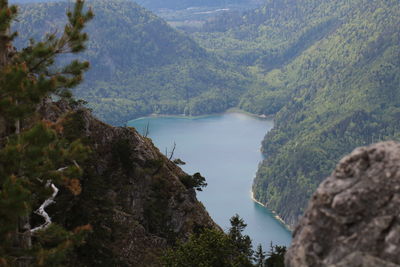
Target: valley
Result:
[328, 71]
[196, 133]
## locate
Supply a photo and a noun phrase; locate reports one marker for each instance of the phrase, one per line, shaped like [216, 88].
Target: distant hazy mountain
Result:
[170, 4]
[180, 4]
[140, 65]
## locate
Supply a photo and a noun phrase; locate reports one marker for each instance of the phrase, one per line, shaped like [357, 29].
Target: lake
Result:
[225, 149]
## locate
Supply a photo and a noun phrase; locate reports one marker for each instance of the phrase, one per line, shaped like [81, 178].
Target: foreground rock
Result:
[131, 195]
[353, 219]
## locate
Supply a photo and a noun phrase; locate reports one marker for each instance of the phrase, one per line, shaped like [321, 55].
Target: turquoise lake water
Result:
[225, 149]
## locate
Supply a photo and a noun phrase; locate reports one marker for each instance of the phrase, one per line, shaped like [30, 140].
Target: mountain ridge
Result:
[132, 195]
[141, 65]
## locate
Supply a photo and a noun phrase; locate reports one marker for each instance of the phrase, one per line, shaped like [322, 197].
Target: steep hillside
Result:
[132, 195]
[272, 34]
[330, 70]
[269, 38]
[140, 64]
[345, 93]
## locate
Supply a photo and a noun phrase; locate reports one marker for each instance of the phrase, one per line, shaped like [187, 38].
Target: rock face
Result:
[131, 195]
[353, 219]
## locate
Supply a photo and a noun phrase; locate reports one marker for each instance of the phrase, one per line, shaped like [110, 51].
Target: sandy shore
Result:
[183, 116]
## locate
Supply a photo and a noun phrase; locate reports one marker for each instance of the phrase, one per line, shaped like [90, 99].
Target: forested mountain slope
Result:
[267, 39]
[346, 93]
[331, 69]
[140, 65]
[272, 34]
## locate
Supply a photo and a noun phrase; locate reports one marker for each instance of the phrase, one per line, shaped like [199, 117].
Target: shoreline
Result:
[189, 117]
[241, 111]
[276, 216]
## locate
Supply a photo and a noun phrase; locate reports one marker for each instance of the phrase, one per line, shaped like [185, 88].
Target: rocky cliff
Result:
[131, 195]
[353, 217]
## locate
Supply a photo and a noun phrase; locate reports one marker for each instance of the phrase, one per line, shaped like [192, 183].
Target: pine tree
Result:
[242, 242]
[259, 257]
[276, 256]
[34, 157]
[212, 247]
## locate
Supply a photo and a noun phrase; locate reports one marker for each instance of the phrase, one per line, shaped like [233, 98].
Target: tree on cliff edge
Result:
[35, 159]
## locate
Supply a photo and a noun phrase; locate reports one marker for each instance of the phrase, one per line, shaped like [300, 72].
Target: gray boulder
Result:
[353, 219]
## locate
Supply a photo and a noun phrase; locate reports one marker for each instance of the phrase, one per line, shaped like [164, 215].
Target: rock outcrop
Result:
[131, 195]
[353, 219]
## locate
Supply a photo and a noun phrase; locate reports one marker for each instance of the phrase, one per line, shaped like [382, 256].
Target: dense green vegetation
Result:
[267, 39]
[36, 158]
[212, 247]
[195, 181]
[331, 71]
[346, 93]
[140, 65]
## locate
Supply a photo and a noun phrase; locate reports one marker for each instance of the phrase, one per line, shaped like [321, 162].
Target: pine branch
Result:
[43, 60]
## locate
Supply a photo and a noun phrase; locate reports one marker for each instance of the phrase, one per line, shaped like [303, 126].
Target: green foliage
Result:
[34, 155]
[73, 125]
[259, 257]
[195, 181]
[179, 162]
[53, 246]
[276, 256]
[36, 59]
[212, 247]
[240, 241]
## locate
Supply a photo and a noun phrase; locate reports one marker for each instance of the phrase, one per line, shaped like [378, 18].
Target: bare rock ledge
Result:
[353, 219]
